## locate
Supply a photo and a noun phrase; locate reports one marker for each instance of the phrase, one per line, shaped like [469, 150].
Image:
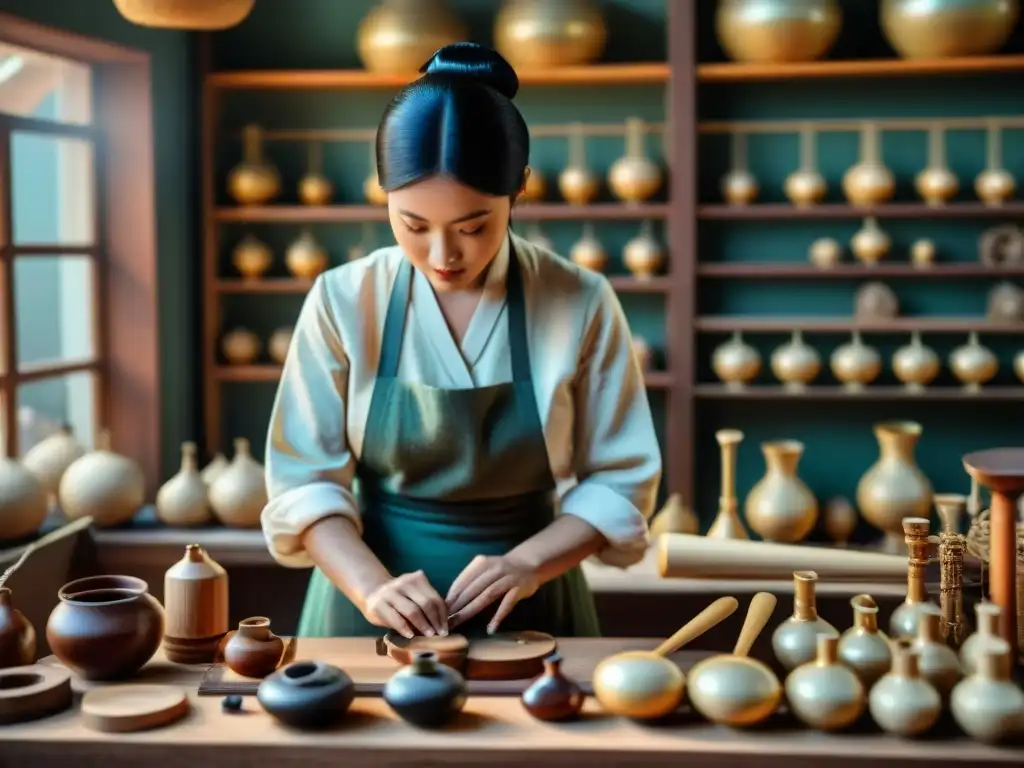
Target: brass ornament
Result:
[588, 252]
[995, 185]
[915, 364]
[825, 253]
[314, 187]
[870, 243]
[856, 364]
[643, 255]
[739, 187]
[197, 15]
[577, 183]
[634, 177]
[536, 34]
[936, 184]
[305, 258]
[795, 363]
[973, 364]
[536, 188]
[372, 190]
[806, 186]
[942, 29]
[736, 363]
[253, 181]
[252, 258]
[399, 36]
[774, 31]
[869, 182]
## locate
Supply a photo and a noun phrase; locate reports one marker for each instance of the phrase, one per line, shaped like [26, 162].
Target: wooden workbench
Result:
[495, 732]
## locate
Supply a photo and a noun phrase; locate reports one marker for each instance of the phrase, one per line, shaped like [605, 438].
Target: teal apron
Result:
[449, 474]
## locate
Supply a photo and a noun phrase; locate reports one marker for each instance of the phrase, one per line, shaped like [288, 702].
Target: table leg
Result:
[1003, 564]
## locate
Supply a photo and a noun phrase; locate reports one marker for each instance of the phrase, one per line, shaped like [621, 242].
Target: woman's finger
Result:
[508, 602]
[430, 602]
[472, 590]
[393, 619]
[411, 612]
[476, 566]
[481, 601]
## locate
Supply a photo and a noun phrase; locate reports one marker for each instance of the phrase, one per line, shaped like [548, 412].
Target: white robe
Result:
[590, 391]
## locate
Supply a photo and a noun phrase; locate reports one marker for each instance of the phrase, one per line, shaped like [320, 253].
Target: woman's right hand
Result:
[409, 605]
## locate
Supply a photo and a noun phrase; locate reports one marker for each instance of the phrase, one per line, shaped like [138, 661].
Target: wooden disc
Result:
[450, 650]
[509, 655]
[124, 708]
[34, 691]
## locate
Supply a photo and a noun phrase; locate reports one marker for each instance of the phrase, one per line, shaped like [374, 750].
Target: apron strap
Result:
[398, 309]
[394, 323]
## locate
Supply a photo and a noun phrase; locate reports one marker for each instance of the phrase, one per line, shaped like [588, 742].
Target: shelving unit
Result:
[676, 215]
[696, 222]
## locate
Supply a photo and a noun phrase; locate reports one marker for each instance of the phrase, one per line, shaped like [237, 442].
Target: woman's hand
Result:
[409, 605]
[486, 580]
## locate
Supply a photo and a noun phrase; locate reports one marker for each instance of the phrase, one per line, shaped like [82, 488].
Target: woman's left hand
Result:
[488, 579]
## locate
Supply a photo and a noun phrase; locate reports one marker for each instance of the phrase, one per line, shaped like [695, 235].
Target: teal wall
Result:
[839, 442]
[176, 134]
[321, 33]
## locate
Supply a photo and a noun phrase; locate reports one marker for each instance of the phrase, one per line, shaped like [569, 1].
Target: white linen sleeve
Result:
[309, 466]
[617, 460]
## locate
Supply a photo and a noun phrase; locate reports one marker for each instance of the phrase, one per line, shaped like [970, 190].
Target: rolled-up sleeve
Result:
[617, 459]
[308, 463]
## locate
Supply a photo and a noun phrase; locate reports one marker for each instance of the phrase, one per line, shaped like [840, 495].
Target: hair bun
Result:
[476, 62]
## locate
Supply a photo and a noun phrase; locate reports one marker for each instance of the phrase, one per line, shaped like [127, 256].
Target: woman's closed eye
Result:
[473, 231]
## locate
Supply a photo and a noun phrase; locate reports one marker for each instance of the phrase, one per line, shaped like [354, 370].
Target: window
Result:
[78, 304]
[51, 353]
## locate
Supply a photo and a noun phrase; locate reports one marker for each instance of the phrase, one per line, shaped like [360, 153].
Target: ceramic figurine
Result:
[553, 696]
[253, 650]
[307, 695]
[426, 693]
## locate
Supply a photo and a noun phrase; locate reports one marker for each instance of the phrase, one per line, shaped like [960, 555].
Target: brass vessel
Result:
[772, 31]
[894, 487]
[634, 177]
[588, 252]
[973, 364]
[870, 244]
[780, 507]
[314, 187]
[795, 641]
[196, 15]
[995, 185]
[869, 182]
[577, 183]
[643, 255]
[954, 626]
[736, 363]
[825, 252]
[856, 364]
[864, 648]
[942, 29]
[902, 702]
[252, 258]
[915, 364]
[806, 186]
[536, 34]
[904, 624]
[937, 662]
[254, 181]
[305, 258]
[823, 693]
[727, 524]
[399, 36]
[922, 253]
[795, 363]
[739, 187]
[936, 184]
[536, 187]
[840, 520]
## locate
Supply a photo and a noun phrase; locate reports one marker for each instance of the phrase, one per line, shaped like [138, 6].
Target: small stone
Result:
[232, 703]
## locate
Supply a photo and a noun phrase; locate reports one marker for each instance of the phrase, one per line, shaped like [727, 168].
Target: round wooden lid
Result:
[509, 655]
[450, 650]
[124, 708]
[31, 692]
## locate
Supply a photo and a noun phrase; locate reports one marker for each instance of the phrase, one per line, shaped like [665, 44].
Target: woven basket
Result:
[185, 14]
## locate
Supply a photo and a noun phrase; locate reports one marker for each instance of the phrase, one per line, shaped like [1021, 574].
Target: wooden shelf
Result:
[268, 372]
[770, 211]
[728, 324]
[650, 73]
[293, 286]
[778, 392]
[730, 72]
[846, 271]
[312, 214]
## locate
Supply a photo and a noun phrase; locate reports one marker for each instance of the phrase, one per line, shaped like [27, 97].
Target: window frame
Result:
[126, 345]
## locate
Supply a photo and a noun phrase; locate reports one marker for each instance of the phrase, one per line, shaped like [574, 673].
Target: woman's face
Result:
[449, 231]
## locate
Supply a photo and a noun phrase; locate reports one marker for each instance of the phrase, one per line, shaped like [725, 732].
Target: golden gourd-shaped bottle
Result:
[795, 641]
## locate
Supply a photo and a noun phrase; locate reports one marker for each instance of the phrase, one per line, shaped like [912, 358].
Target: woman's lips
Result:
[448, 274]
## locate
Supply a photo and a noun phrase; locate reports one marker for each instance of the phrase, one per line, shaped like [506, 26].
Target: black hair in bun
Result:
[458, 119]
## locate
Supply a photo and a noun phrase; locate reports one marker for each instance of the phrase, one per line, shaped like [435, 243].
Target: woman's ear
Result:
[522, 187]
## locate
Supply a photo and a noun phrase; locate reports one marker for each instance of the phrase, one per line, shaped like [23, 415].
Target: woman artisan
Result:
[461, 420]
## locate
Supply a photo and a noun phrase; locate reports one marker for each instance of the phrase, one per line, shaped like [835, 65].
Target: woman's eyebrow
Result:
[468, 217]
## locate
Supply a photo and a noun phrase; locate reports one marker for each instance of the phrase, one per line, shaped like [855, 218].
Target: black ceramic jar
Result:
[307, 694]
[426, 693]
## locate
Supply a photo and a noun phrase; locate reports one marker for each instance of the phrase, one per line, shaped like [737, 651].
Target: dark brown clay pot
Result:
[553, 696]
[17, 635]
[105, 627]
[253, 650]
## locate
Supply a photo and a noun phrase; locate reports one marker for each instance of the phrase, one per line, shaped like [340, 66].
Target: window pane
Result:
[46, 405]
[53, 309]
[48, 87]
[52, 189]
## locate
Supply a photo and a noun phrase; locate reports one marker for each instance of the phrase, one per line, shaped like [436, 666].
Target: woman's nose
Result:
[442, 251]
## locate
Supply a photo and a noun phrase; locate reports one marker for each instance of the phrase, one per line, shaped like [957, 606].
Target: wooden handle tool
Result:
[761, 607]
[714, 614]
